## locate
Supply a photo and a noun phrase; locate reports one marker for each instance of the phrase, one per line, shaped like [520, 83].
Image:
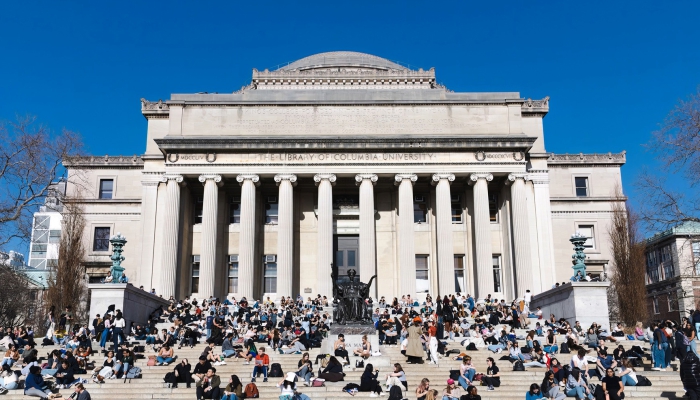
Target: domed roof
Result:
[342, 59]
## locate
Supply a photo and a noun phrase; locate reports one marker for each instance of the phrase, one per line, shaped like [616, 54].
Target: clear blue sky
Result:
[612, 69]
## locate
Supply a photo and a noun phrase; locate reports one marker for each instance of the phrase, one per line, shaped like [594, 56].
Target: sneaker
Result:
[217, 364]
[3, 390]
[247, 363]
[490, 388]
[297, 352]
[281, 352]
[252, 379]
[47, 376]
[499, 351]
[158, 364]
[306, 383]
[264, 379]
[373, 395]
[656, 369]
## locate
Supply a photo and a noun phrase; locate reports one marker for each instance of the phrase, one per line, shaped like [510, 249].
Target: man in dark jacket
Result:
[690, 375]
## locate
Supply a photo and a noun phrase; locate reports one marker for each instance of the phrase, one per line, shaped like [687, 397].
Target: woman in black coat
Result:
[368, 381]
[690, 375]
[183, 373]
[333, 371]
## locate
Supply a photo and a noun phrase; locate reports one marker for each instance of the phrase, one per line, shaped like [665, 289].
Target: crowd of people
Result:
[455, 326]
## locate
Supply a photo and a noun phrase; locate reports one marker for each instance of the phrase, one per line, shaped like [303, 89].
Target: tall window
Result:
[55, 236]
[581, 186]
[422, 274]
[460, 280]
[42, 222]
[271, 210]
[493, 207]
[38, 250]
[589, 233]
[106, 188]
[270, 274]
[100, 240]
[456, 209]
[655, 303]
[195, 274]
[497, 282]
[696, 257]
[198, 209]
[420, 209]
[235, 210]
[233, 273]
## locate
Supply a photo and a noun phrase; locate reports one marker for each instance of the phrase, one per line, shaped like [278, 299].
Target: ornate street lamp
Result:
[578, 240]
[118, 241]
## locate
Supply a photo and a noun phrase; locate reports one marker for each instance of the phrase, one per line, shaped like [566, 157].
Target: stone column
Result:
[285, 233]
[148, 227]
[482, 234]
[407, 247]
[543, 210]
[246, 247]
[521, 232]
[207, 258]
[171, 230]
[368, 259]
[325, 184]
[445, 256]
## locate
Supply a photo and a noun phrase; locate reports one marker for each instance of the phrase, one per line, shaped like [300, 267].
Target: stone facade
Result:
[349, 158]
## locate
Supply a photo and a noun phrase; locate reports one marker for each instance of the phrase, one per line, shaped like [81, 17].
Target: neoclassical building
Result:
[348, 159]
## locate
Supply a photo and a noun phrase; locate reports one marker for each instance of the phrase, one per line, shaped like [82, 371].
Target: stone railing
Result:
[591, 158]
[104, 161]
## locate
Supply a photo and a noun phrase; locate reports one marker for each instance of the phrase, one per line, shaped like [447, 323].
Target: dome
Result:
[340, 59]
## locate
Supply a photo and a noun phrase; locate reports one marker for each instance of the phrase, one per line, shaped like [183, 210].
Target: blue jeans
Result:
[7, 361]
[579, 392]
[103, 339]
[660, 355]
[551, 349]
[470, 376]
[257, 370]
[116, 334]
[164, 360]
[305, 374]
[519, 357]
[534, 364]
[150, 340]
[228, 353]
[9, 385]
[693, 347]
[229, 397]
[494, 347]
[627, 380]
[697, 329]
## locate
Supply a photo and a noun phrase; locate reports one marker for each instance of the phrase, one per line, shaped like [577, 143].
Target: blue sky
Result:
[613, 70]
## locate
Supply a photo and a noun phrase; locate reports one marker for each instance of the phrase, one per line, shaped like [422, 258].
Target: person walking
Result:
[414, 348]
[118, 329]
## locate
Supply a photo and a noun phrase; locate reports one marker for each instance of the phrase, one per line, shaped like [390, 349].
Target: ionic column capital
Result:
[398, 178]
[361, 177]
[438, 177]
[324, 177]
[215, 177]
[286, 177]
[473, 178]
[172, 177]
[248, 177]
[151, 182]
[515, 176]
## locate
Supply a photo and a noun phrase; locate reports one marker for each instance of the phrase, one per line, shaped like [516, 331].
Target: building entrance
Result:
[347, 254]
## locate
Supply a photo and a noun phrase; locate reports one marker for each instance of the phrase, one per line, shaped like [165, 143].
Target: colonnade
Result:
[325, 255]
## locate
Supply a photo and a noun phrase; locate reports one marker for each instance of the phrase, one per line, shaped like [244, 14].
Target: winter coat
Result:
[690, 371]
[414, 347]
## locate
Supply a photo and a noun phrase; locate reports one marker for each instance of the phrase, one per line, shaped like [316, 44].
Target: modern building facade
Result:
[350, 159]
[46, 229]
[673, 272]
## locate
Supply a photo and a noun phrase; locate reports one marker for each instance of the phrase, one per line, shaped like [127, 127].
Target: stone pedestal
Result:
[586, 302]
[136, 304]
[353, 340]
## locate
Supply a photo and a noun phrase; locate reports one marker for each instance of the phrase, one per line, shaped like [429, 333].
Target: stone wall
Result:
[586, 302]
[136, 304]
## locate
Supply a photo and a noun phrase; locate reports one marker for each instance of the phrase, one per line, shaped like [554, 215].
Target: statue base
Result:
[353, 340]
[136, 304]
[586, 302]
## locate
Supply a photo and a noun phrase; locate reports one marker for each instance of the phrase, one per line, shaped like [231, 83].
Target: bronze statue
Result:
[350, 300]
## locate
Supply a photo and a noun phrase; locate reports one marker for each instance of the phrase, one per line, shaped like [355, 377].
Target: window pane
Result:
[339, 258]
[587, 231]
[101, 240]
[195, 270]
[55, 236]
[270, 277]
[41, 236]
[195, 274]
[351, 258]
[233, 270]
[198, 209]
[497, 287]
[456, 213]
[195, 285]
[41, 222]
[420, 212]
[233, 285]
[422, 276]
[271, 213]
[235, 217]
[106, 188]
[460, 282]
[581, 186]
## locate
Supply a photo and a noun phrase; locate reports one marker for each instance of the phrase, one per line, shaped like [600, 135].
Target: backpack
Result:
[251, 391]
[518, 366]
[169, 377]
[564, 348]
[359, 364]
[643, 380]
[151, 361]
[471, 347]
[454, 374]
[275, 371]
[318, 382]
[599, 393]
[132, 373]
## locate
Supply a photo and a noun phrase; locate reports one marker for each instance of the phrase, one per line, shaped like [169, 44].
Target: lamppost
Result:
[578, 240]
[118, 241]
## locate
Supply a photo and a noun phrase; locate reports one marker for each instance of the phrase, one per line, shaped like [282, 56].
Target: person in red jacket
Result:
[262, 364]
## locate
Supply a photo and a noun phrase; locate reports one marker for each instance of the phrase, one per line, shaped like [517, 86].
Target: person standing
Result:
[118, 329]
[432, 334]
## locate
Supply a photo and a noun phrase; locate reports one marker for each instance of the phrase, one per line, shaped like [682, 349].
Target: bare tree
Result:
[677, 146]
[67, 283]
[628, 263]
[30, 159]
[16, 297]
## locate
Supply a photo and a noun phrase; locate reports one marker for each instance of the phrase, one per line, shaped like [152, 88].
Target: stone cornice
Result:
[501, 142]
[155, 109]
[587, 159]
[94, 162]
[585, 199]
[536, 107]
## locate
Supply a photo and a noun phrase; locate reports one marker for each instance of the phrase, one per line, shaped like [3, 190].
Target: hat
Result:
[450, 381]
[290, 376]
[417, 319]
